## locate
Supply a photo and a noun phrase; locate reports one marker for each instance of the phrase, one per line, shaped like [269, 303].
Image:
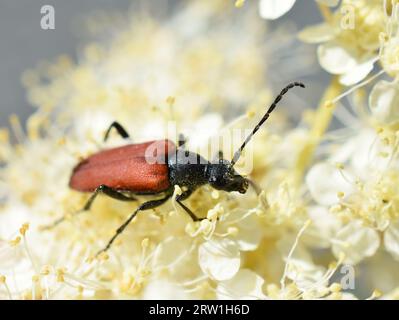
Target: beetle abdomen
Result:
[125, 168]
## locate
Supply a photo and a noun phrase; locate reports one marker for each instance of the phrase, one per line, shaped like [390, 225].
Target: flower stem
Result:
[323, 116]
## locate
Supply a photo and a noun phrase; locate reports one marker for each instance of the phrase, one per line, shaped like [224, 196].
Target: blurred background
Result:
[23, 44]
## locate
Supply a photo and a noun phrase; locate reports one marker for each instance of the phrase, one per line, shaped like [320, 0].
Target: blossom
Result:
[274, 9]
[326, 198]
[133, 78]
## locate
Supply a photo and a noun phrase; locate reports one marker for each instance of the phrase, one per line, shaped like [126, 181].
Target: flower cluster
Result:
[328, 205]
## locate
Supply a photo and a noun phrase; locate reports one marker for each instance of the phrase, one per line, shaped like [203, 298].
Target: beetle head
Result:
[222, 176]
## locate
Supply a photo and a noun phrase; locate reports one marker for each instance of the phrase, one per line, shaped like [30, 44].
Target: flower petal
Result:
[356, 242]
[163, 289]
[273, 9]
[325, 181]
[391, 239]
[219, 259]
[305, 273]
[316, 34]
[384, 101]
[335, 59]
[324, 226]
[248, 235]
[245, 285]
[358, 73]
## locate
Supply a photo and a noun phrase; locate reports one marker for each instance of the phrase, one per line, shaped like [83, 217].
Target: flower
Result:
[133, 78]
[274, 9]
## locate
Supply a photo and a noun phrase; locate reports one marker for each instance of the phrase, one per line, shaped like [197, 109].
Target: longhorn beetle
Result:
[124, 171]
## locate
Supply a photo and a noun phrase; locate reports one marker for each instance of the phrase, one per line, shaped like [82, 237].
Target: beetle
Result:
[123, 172]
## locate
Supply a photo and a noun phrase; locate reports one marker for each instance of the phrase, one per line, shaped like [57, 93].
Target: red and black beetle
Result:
[123, 172]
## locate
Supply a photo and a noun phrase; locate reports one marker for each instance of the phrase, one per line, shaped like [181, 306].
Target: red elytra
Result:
[125, 168]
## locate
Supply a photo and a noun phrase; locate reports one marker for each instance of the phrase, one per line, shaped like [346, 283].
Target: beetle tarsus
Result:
[182, 197]
[145, 206]
[112, 193]
[119, 128]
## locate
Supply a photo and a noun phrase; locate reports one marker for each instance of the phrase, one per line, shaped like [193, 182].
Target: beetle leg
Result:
[118, 127]
[112, 193]
[182, 197]
[145, 206]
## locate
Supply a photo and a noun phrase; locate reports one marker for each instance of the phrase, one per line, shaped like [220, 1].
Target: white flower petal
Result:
[162, 290]
[384, 101]
[10, 256]
[358, 73]
[219, 259]
[169, 250]
[391, 239]
[335, 59]
[273, 9]
[356, 242]
[318, 33]
[249, 235]
[325, 182]
[245, 285]
[324, 226]
[305, 273]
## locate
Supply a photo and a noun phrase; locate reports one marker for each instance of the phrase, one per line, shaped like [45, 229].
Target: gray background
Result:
[24, 44]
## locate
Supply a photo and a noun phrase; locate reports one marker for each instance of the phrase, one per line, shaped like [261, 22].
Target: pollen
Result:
[15, 242]
[340, 166]
[335, 287]
[239, 3]
[170, 100]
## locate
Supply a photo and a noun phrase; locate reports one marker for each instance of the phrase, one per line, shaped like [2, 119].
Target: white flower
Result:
[349, 51]
[245, 285]
[356, 242]
[391, 239]
[219, 259]
[325, 182]
[273, 9]
[163, 290]
[305, 273]
[324, 226]
[384, 101]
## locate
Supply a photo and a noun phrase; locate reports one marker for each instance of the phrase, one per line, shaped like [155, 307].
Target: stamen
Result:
[354, 88]
[3, 281]
[301, 231]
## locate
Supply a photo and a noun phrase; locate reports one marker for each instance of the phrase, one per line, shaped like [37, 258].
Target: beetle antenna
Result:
[237, 154]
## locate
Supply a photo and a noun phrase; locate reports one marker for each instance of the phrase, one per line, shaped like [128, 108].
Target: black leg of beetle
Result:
[112, 193]
[182, 140]
[118, 127]
[182, 197]
[145, 206]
